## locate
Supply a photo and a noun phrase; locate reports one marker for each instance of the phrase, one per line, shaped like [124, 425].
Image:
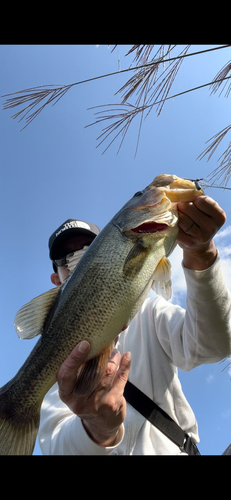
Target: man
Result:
[160, 338]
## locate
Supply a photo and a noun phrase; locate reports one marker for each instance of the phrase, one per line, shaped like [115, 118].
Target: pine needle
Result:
[34, 96]
[223, 171]
[151, 90]
[221, 75]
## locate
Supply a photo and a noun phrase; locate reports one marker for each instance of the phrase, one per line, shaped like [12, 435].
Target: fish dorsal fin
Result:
[29, 320]
[162, 279]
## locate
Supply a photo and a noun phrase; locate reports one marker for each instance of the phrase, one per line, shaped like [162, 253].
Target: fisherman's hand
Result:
[105, 410]
[198, 222]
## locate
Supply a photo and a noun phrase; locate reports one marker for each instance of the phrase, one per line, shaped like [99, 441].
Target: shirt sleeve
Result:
[61, 432]
[202, 333]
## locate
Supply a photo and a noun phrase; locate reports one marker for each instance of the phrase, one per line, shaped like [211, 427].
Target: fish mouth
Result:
[150, 227]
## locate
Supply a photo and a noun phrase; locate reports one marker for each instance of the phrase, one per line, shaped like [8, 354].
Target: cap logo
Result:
[73, 224]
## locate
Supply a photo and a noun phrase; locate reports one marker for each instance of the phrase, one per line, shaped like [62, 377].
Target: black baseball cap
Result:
[69, 229]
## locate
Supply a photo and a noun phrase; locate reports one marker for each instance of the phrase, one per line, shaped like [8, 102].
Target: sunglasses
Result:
[63, 261]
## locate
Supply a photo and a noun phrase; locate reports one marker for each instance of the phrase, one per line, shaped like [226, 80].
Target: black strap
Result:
[159, 418]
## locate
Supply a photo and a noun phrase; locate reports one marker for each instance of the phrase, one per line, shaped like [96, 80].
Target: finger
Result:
[211, 208]
[203, 208]
[111, 370]
[66, 376]
[114, 398]
[186, 223]
[121, 377]
[114, 360]
[189, 213]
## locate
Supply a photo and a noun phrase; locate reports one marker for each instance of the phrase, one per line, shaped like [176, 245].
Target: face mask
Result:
[72, 259]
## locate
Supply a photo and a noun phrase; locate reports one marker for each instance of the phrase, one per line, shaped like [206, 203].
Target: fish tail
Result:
[18, 429]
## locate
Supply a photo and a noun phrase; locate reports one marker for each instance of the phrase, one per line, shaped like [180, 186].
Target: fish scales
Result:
[98, 300]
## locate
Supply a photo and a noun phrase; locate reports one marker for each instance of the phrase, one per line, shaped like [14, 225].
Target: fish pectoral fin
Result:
[162, 279]
[135, 259]
[163, 270]
[91, 372]
[30, 319]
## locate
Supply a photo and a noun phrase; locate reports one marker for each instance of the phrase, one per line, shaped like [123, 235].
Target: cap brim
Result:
[69, 233]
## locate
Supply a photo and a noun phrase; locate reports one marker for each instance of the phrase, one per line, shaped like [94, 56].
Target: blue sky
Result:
[52, 171]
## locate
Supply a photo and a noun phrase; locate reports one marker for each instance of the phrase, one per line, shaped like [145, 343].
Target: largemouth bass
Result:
[97, 301]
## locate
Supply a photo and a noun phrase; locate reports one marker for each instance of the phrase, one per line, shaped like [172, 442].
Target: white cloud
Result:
[225, 251]
[209, 379]
[223, 233]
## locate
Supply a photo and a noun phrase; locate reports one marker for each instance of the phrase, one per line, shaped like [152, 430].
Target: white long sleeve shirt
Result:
[161, 337]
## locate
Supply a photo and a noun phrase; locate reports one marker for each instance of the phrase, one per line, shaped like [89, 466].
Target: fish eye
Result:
[139, 193]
